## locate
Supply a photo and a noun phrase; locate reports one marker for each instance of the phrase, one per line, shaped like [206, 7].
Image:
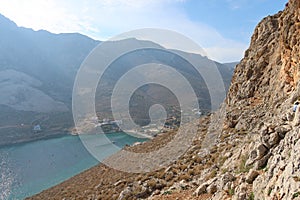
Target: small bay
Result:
[29, 168]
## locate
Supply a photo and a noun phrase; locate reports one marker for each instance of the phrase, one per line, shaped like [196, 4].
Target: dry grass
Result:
[242, 166]
[212, 174]
[184, 176]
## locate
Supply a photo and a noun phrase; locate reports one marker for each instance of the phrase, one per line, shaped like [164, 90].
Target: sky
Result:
[221, 27]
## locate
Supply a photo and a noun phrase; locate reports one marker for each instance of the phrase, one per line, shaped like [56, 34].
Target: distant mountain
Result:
[37, 72]
[21, 93]
[51, 58]
[231, 65]
[152, 94]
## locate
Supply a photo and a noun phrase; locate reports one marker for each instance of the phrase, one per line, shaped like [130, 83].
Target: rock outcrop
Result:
[260, 100]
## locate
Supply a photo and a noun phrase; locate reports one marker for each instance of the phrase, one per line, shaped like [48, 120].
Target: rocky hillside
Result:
[256, 154]
[260, 100]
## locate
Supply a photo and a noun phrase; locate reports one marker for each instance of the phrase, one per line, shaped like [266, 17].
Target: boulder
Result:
[242, 196]
[201, 190]
[144, 193]
[264, 131]
[241, 192]
[265, 140]
[282, 130]
[290, 116]
[274, 139]
[261, 163]
[253, 154]
[124, 193]
[262, 150]
[211, 189]
[228, 177]
[252, 175]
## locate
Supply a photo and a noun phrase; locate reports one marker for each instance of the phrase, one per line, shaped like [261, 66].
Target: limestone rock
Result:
[274, 139]
[201, 189]
[228, 177]
[211, 189]
[125, 192]
[282, 130]
[251, 176]
[241, 192]
[262, 150]
[261, 163]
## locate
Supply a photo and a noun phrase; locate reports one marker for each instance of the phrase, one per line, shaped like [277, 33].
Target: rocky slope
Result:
[256, 154]
[259, 104]
[264, 87]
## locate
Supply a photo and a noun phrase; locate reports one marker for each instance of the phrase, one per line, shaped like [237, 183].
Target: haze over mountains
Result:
[37, 72]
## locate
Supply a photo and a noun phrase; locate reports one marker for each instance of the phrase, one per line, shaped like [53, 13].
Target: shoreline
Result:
[130, 132]
[45, 137]
[138, 134]
[59, 135]
[61, 142]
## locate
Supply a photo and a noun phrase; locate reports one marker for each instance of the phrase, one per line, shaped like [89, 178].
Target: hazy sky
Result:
[222, 27]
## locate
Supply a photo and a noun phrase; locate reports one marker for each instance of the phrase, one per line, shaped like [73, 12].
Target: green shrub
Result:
[295, 195]
[270, 191]
[251, 196]
[242, 167]
[167, 192]
[212, 174]
[231, 191]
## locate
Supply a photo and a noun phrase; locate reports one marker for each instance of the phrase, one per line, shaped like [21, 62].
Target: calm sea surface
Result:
[29, 168]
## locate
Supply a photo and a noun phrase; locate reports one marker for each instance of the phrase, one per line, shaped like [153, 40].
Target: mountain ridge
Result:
[53, 60]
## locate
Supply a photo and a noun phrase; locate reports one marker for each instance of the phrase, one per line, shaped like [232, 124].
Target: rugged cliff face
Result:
[269, 73]
[260, 100]
[257, 150]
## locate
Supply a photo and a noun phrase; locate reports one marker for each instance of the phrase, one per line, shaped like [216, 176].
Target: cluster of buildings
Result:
[109, 126]
[171, 123]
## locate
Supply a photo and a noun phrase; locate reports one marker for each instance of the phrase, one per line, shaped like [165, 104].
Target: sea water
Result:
[29, 168]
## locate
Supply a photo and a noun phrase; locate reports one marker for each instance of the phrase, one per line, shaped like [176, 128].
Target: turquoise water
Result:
[29, 168]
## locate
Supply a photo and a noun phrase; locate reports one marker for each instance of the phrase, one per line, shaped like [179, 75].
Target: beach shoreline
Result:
[138, 134]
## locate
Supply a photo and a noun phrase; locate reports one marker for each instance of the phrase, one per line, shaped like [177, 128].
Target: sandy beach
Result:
[138, 134]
